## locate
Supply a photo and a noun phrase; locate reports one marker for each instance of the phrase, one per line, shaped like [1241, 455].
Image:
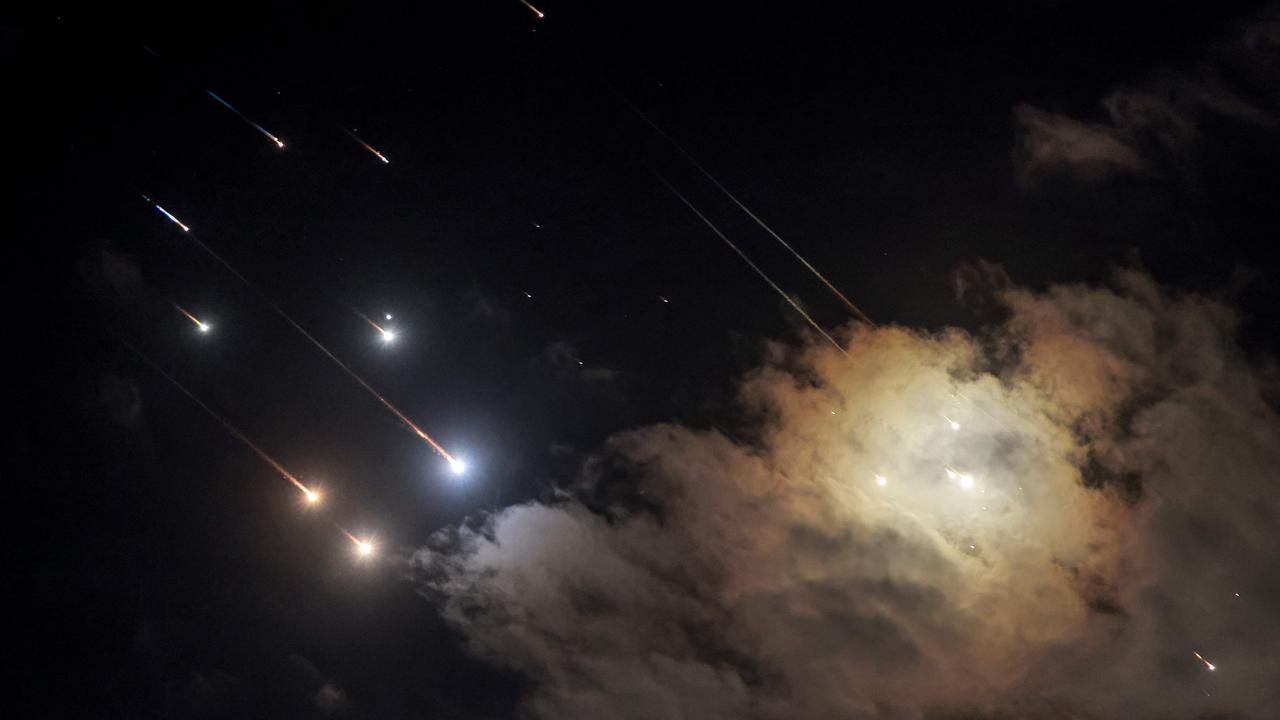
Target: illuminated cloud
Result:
[1123, 461]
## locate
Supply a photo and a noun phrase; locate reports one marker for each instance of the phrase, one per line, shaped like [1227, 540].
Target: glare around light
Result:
[364, 548]
[881, 480]
[457, 466]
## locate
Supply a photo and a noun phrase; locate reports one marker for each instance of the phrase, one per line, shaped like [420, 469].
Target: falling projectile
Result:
[1207, 664]
[204, 327]
[311, 495]
[761, 273]
[367, 146]
[881, 480]
[167, 214]
[386, 334]
[256, 126]
[954, 425]
[742, 206]
[535, 10]
[285, 316]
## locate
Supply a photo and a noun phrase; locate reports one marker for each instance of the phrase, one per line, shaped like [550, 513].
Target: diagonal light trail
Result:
[742, 206]
[755, 267]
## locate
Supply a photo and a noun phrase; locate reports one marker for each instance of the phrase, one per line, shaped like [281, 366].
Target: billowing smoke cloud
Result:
[1046, 521]
[1151, 129]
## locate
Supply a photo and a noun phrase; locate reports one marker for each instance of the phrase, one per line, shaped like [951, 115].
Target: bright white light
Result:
[388, 316]
[204, 327]
[966, 481]
[364, 548]
[954, 425]
[388, 336]
[312, 496]
[951, 474]
[881, 480]
[457, 466]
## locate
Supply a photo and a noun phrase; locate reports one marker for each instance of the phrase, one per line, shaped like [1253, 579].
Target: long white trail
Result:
[755, 267]
[707, 173]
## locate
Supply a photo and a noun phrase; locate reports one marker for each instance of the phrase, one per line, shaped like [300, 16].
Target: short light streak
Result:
[954, 425]
[367, 146]
[279, 143]
[204, 327]
[1207, 664]
[535, 10]
[167, 214]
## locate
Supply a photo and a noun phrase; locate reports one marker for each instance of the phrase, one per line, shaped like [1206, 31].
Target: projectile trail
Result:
[204, 327]
[535, 10]
[387, 334]
[367, 146]
[706, 173]
[1207, 664]
[310, 494]
[242, 116]
[453, 462]
[755, 267]
[167, 214]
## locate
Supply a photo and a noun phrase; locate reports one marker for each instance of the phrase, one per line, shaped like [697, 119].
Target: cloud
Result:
[1151, 127]
[1062, 554]
[1048, 142]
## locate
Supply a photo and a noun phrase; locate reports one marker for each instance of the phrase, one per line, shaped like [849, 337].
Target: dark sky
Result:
[173, 575]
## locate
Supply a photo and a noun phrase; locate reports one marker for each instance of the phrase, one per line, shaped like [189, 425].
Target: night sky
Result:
[550, 293]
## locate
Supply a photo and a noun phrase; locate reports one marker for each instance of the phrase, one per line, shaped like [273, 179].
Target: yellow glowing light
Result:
[535, 10]
[881, 480]
[364, 548]
[312, 496]
[1207, 664]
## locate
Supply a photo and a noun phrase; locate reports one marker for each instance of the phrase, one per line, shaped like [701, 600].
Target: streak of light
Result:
[707, 173]
[279, 143]
[458, 466]
[306, 491]
[388, 335]
[954, 425]
[1207, 664]
[203, 326]
[367, 146]
[755, 267]
[535, 10]
[285, 316]
[663, 299]
[167, 214]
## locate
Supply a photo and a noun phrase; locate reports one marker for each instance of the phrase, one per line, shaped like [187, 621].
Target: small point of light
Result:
[881, 480]
[388, 316]
[204, 327]
[951, 474]
[457, 466]
[526, 294]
